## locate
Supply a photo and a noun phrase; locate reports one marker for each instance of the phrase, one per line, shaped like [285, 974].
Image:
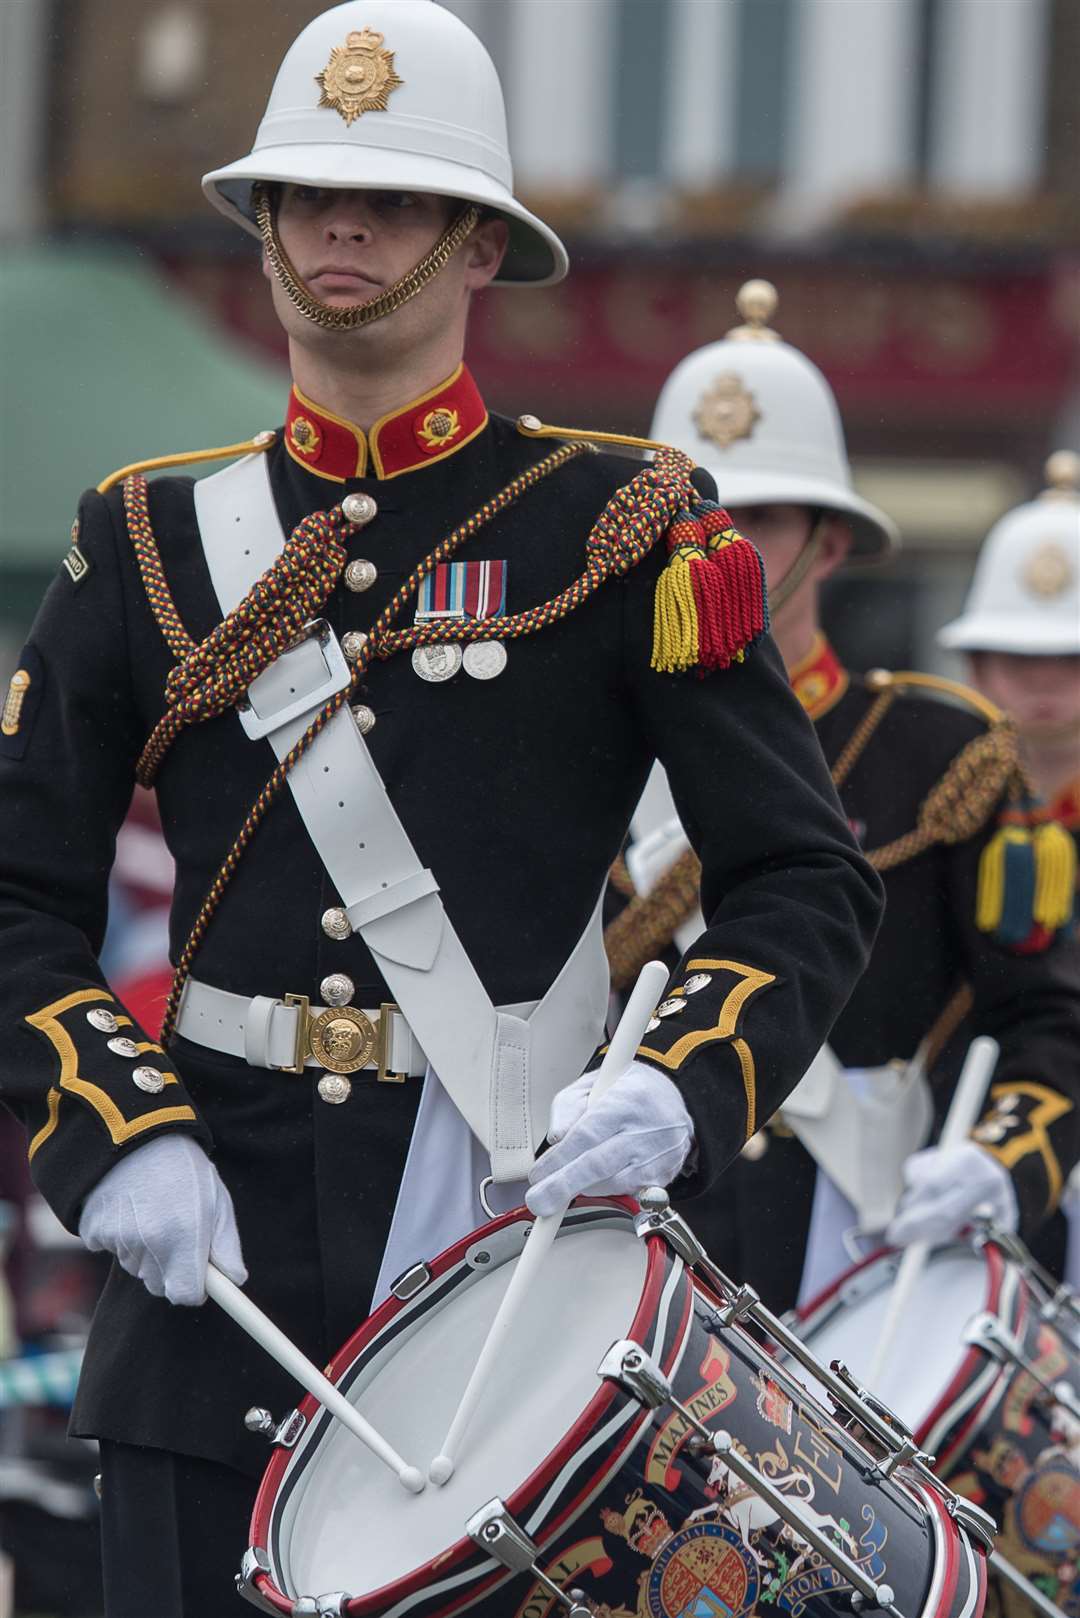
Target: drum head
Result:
[343, 1522]
[928, 1347]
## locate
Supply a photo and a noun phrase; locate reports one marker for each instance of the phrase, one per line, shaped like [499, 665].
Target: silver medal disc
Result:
[440, 662]
[484, 659]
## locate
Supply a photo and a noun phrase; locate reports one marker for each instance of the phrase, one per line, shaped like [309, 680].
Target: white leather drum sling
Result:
[500, 1070]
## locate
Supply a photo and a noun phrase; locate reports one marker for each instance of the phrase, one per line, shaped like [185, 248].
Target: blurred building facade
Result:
[906, 171]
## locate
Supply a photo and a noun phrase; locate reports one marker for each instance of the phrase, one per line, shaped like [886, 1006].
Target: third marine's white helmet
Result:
[391, 95]
[762, 419]
[1025, 594]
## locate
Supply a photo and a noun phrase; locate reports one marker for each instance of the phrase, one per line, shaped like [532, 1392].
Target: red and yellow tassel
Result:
[711, 602]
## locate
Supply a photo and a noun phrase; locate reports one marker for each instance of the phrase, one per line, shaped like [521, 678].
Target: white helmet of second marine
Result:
[391, 95]
[758, 415]
[1025, 594]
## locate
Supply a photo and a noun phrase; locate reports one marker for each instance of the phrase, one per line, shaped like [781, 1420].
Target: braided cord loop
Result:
[214, 674]
[634, 520]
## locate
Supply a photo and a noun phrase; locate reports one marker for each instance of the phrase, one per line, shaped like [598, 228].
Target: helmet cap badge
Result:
[1049, 571]
[359, 76]
[726, 411]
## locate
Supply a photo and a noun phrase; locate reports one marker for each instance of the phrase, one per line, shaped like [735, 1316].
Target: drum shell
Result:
[624, 1510]
[999, 1439]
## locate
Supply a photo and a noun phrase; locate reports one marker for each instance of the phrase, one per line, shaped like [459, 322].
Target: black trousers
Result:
[173, 1533]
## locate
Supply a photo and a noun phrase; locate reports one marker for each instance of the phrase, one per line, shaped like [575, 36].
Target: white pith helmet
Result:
[760, 417]
[393, 95]
[1025, 593]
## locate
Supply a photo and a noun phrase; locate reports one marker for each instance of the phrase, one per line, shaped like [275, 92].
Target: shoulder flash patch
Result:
[75, 564]
[22, 704]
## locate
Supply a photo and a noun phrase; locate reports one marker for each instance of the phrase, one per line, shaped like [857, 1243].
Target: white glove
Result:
[163, 1211]
[638, 1133]
[945, 1188]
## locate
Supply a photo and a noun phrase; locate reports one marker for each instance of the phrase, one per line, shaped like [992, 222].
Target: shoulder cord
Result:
[953, 810]
[215, 675]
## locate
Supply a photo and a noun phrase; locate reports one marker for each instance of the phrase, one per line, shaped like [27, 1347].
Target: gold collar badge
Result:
[1048, 572]
[359, 76]
[305, 436]
[726, 411]
[439, 428]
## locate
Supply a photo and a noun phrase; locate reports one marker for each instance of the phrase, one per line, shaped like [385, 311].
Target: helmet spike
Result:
[757, 302]
[1062, 474]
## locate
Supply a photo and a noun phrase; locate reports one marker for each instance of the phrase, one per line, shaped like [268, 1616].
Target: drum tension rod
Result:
[284, 1434]
[628, 1364]
[985, 1331]
[257, 1561]
[878, 1421]
[495, 1531]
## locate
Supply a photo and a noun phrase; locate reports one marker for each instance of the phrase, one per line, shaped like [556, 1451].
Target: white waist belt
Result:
[291, 1034]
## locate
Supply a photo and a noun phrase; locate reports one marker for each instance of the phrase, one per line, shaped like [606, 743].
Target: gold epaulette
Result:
[907, 679]
[158, 463]
[533, 427]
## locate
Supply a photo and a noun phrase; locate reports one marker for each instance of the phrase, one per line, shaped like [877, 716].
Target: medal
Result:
[437, 663]
[484, 659]
[461, 591]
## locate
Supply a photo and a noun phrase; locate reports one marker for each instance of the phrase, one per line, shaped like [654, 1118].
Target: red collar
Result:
[426, 429]
[819, 680]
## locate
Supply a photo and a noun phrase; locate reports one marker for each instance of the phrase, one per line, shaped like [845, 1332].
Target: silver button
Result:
[353, 644]
[365, 718]
[124, 1047]
[102, 1020]
[756, 1147]
[336, 989]
[336, 924]
[360, 575]
[150, 1079]
[359, 509]
[334, 1088]
[698, 981]
[668, 1008]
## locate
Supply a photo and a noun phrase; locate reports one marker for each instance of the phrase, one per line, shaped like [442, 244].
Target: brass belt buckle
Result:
[385, 1041]
[303, 1019]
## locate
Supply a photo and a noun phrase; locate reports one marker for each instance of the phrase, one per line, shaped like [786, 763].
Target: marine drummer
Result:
[367, 668]
[929, 777]
[1020, 633]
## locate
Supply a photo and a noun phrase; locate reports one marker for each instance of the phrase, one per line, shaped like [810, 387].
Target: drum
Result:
[986, 1371]
[638, 1454]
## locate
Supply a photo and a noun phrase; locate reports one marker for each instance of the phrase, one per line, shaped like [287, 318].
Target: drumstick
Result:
[262, 1329]
[650, 985]
[979, 1064]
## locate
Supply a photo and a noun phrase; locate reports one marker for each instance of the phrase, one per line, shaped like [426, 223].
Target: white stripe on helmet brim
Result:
[535, 256]
[1027, 634]
[875, 535]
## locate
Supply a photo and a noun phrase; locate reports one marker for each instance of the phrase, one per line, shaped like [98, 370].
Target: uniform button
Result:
[124, 1047]
[336, 923]
[353, 644]
[102, 1020]
[359, 509]
[756, 1147]
[336, 989]
[360, 575]
[150, 1079]
[334, 1088]
[365, 719]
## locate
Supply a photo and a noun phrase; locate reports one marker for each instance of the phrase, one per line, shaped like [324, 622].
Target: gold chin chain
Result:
[357, 314]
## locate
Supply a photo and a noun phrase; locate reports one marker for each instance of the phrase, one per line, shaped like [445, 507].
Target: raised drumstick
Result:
[964, 1109]
[651, 983]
